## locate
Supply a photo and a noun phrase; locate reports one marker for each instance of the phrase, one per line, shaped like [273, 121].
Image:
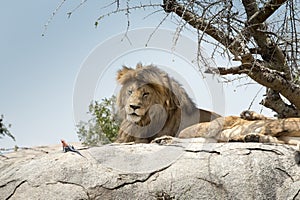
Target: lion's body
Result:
[152, 104]
[251, 128]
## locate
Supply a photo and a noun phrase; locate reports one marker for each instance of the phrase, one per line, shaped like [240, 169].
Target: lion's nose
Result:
[134, 107]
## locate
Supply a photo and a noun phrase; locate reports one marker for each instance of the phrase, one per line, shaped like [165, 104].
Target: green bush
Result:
[104, 125]
[4, 130]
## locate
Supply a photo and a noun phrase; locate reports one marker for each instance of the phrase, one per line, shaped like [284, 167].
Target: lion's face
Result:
[139, 98]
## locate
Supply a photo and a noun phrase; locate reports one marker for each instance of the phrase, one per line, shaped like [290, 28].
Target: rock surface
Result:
[186, 169]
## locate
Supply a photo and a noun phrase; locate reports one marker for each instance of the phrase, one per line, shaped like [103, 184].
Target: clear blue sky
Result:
[38, 74]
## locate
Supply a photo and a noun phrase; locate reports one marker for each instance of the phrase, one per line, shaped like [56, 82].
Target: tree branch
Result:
[266, 77]
[265, 12]
[277, 81]
[275, 102]
[242, 69]
[270, 51]
[199, 23]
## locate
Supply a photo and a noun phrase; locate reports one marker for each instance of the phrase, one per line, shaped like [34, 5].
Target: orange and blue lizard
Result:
[67, 147]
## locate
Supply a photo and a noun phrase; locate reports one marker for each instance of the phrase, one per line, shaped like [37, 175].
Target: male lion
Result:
[152, 104]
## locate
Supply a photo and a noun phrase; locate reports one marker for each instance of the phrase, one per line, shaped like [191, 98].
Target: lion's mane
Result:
[152, 104]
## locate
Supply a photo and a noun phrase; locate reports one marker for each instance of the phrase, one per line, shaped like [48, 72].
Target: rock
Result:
[185, 169]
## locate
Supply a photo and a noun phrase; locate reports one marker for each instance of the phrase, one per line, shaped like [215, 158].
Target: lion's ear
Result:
[125, 74]
[139, 65]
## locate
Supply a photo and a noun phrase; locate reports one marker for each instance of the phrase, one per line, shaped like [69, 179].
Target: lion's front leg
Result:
[166, 139]
[124, 138]
[256, 137]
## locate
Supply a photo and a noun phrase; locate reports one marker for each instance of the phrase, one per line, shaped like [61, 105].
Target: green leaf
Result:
[103, 127]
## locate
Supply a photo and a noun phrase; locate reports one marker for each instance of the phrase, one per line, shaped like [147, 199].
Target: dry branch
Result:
[276, 103]
[199, 23]
[270, 52]
[264, 13]
[272, 71]
[266, 77]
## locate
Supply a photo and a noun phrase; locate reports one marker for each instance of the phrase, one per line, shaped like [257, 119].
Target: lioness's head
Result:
[143, 89]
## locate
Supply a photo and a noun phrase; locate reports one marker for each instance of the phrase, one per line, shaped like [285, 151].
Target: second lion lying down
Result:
[249, 127]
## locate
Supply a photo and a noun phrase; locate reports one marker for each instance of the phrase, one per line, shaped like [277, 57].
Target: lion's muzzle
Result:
[134, 113]
[134, 107]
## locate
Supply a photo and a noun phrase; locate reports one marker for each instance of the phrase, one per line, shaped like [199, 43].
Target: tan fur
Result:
[250, 127]
[152, 104]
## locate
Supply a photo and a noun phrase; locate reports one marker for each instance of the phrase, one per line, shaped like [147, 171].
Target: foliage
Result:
[4, 130]
[103, 127]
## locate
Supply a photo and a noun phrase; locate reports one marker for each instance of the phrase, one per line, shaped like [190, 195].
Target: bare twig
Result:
[52, 16]
[156, 28]
[125, 10]
[76, 8]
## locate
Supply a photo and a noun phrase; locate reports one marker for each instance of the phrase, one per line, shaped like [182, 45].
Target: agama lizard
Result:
[67, 147]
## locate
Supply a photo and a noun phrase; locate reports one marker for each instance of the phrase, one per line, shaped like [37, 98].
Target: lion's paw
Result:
[251, 115]
[252, 138]
[163, 140]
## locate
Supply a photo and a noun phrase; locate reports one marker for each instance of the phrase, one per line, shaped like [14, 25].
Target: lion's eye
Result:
[129, 92]
[146, 94]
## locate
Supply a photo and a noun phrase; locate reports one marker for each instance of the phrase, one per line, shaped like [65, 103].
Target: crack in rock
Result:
[218, 185]
[64, 182]
[3, 156]
[295, 196]
[266, 150]
[34, 149]
[15, 189]
[5, 184]
[70, 183]
[285, 172]
[95, 191]
[205, 151]
[223, 176]
[137, 180]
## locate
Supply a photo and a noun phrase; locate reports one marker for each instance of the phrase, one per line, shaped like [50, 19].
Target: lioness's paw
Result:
[163, 140]
[251, 115]
[251, 138]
